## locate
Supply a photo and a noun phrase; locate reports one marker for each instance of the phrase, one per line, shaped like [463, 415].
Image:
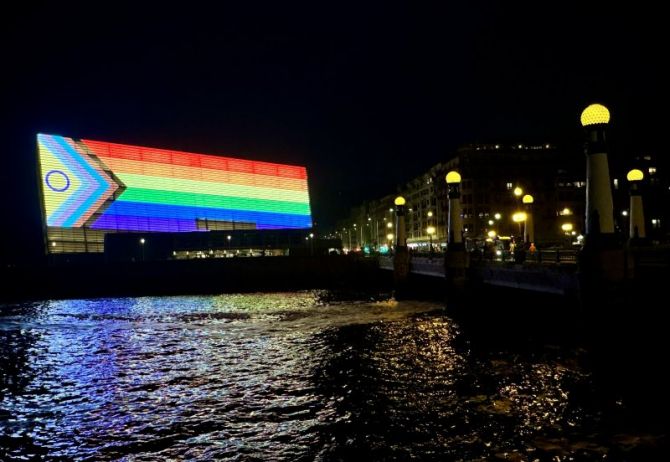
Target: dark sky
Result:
[364, 95]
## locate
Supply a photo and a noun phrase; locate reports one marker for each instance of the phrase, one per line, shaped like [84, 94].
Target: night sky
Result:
[366, 96]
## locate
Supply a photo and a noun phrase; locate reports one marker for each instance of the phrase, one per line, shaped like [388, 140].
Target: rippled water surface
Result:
[289, 376]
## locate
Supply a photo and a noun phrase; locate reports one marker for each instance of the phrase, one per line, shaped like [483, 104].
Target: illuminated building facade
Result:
[91, 188]
[490, 173]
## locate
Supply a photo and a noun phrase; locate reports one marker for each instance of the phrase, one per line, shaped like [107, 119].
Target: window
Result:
[509, 186]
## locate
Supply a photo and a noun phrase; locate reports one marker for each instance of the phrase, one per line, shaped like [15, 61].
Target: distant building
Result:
[490, 174]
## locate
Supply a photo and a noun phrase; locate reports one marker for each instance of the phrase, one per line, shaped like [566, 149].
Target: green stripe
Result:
[153, 196]
[192, 186]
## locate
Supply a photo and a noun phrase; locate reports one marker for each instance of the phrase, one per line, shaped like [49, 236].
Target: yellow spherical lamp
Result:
[595, 114]
[399, 200]
[453, 177]
[635, 175]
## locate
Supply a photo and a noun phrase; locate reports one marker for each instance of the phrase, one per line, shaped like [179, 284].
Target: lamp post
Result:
[368, 224]
[430, 230]
[455, 226]
[400, 222]
[599, 208]
[529, 229]
[401, 256]
[519, 217]
[567, 230]
[348, 236]
[636, 230]
[455, 259]
[355, 229]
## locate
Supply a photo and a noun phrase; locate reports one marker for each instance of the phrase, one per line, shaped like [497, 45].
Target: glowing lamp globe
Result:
[635, 175]
[595, 114]
[492, 234]
[453, 177]
[430, 230]
[519, 217]
[528, 199]
[399, 200]
[566, 227]
[518, 191]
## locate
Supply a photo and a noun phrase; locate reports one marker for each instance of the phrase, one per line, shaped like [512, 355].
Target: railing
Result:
[542, 257]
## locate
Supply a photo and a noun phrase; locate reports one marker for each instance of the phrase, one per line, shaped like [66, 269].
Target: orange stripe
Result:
[186, 159]
[121, 166]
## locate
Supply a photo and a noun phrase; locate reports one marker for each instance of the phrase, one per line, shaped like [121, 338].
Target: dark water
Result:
[293, 376]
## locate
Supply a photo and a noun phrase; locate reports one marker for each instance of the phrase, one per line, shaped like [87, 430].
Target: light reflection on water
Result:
[288, 376]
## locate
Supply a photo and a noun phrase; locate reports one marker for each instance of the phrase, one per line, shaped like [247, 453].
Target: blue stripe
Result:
[102, 184]
[139, 209]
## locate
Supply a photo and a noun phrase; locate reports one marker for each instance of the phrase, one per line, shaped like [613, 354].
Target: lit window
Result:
[656, 223]
[652, 170]
[616, 183]
[509, 186]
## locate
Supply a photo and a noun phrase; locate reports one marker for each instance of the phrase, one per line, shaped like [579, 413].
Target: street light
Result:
[519, 217]
[400, 225]
[430, 230]
[518, 191]
[311, 244]
[142, 241]
[599, 205]
[349, 236]
[636, 226]
[567, 228]
[455, 226]
[529, 231]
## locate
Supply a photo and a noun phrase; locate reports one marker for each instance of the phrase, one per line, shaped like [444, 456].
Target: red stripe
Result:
[163, 156]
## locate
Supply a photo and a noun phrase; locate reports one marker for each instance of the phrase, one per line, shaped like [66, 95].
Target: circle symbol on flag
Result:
[57, 181]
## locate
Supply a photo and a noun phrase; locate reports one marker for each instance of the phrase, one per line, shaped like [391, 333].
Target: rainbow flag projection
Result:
[115, 187]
